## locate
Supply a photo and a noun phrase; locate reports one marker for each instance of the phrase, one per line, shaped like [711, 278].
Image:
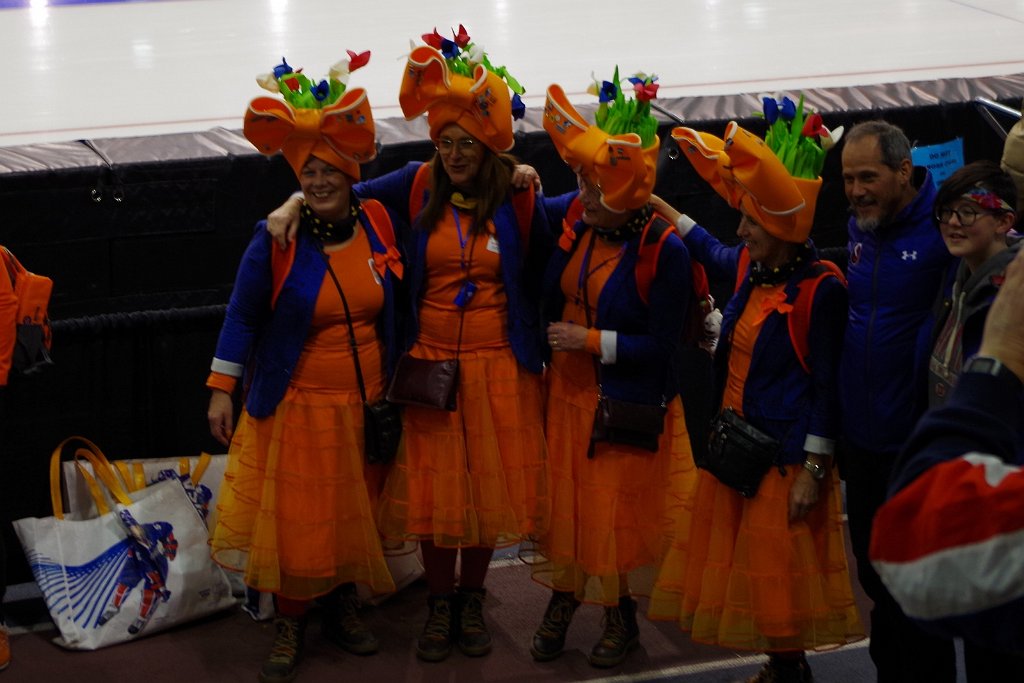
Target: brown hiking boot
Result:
[549, 640]
[342, 625]
[279, 666]
[435, 643]
[621, 634]
[474, 640]
[784, 670]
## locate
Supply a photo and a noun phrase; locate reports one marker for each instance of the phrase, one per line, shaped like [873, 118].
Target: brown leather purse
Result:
[425, 383]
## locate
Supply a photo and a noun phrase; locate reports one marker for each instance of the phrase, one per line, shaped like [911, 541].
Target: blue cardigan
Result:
[267, 342]
[648, 335]
[778, 396]
[518, 269]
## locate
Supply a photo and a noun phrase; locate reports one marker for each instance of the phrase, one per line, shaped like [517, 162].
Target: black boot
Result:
[474, 640]
[549, 640]
[621, 634]
[435, 643]
[279, 667]
[342, 625]
[784, 670]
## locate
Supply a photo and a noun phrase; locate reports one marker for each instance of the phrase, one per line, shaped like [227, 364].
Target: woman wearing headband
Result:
[297, 504]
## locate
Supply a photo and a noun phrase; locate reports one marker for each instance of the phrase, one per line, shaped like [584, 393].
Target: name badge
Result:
[492, 245]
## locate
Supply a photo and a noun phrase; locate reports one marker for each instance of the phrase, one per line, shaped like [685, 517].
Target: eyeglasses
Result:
[464, 145]
[965, 215]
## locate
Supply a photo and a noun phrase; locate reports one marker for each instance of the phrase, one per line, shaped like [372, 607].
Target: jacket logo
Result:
[909, 255]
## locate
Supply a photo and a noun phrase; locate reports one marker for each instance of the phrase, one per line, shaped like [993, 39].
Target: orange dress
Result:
[296, 506]
[612, 515]
[476, 476]
[739, 574]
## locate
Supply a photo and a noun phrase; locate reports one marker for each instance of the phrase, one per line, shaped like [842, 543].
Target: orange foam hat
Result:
[744, 171]
[342, 134]
[624, 169]
[481, 105]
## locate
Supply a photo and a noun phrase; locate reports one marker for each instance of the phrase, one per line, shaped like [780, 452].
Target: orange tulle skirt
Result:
[296, 508]
[476, 476]
[741, 576]
[613, 515]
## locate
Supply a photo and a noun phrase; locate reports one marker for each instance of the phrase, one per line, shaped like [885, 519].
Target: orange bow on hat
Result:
[480, 105]
[748, 175]
[342, 134]
[623, 169]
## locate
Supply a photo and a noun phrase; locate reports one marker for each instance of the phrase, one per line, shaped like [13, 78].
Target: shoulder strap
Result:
[741, 268]
[574, 213]
[281, 261]
[523, 202]
[380, 221]
[652, 238]
[420, 184]
[800, 316]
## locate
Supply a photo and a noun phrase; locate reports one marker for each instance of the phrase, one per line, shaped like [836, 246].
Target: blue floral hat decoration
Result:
[325, 119]
[454, 81]
[620, 149]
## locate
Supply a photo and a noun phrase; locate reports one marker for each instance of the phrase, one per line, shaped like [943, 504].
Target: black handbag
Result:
[631, 424]
[425, 383]
[615, 421]
[382, 421]
[382, 429]
[739, 454]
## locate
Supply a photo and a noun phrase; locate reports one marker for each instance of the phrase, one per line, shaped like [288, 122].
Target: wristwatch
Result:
[816, 469]
[987, 365]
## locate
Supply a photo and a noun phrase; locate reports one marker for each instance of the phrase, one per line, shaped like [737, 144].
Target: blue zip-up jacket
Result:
[893, 275]
[648, 335]
[518, 274]
[779, 398]
[267, 342]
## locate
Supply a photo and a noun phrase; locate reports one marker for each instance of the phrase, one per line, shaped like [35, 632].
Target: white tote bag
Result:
[135, 569]
[201, 475]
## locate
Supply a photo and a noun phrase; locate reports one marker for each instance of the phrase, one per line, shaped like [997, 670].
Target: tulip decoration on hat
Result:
[454, 81]
[326, 119]
[775, 180]
[620, 150]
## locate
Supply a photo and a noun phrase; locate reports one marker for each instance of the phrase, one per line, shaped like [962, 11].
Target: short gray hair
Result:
[894, 145]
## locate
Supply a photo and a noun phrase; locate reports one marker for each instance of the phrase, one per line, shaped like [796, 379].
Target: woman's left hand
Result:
[804, 495]
[567, 337]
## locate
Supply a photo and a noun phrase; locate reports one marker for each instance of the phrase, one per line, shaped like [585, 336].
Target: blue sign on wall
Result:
[941, 159]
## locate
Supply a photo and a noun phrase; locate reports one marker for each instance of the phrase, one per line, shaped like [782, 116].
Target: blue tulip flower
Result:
[771, 109]
[518, 108]
[788, 109]
[321, 90]
[282, 69]
[449, 48]
[608, 92]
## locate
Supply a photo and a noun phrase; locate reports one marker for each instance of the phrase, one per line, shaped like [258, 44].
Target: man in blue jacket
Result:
[897, 261]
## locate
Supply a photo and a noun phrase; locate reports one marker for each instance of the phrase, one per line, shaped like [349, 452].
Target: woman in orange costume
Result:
[297, 504]
[768, 573]
[618, 333]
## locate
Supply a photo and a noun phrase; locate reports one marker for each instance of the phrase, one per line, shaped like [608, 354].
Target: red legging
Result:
[439, 566]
